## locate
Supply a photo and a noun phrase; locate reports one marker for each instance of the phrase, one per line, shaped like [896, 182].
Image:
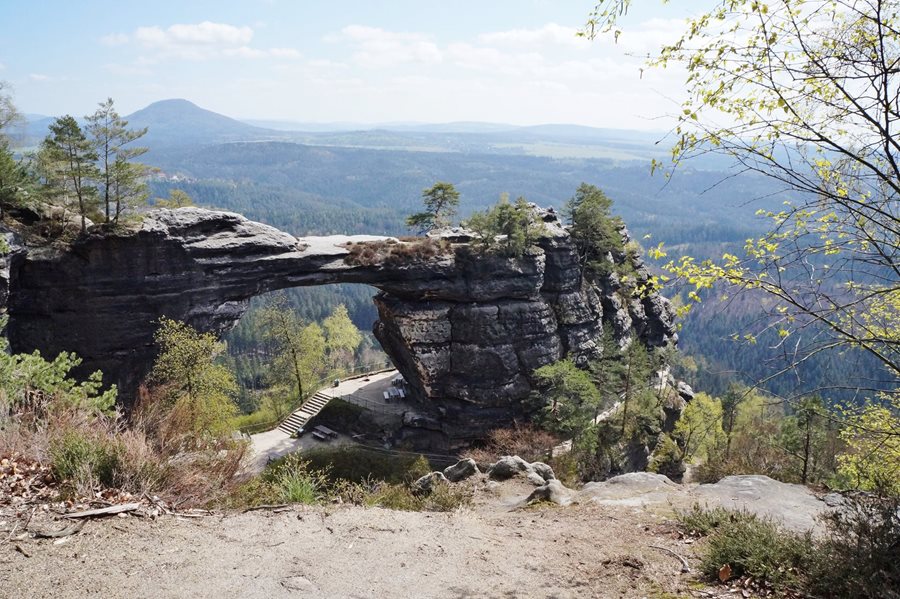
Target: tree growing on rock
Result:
[121, 180]
[441, 201]
[67, 162]
[509, 228]
[593, 229]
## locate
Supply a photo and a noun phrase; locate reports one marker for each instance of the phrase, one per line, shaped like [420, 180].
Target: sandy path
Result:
[351, 552]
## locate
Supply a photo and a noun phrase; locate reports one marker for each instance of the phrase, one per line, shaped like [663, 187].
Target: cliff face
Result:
[466, 330]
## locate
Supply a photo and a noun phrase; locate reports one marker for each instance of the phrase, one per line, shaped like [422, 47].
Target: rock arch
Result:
[466, 332]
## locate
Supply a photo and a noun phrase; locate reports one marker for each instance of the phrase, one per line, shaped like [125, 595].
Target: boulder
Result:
[461, 470]
[426, 483]
[508, 467]
[553, 491]
[543, 470]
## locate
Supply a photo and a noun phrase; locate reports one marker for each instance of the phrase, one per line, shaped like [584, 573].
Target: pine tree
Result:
[441, 201]
[68, 161]
[121, 180]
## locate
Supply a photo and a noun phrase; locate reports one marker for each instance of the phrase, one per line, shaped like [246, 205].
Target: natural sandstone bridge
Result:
[465, 330]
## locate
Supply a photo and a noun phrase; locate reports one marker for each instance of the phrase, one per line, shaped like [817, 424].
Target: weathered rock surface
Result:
[552, 491]
[537, 473]
[426, 483]
[794, 506]
[465, 330]
[461, 470]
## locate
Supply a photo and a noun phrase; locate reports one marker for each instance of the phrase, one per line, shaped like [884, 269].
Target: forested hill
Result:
[369, 181]
[316, 189]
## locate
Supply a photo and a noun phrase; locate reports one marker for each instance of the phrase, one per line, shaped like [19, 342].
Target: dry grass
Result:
[527, 441]
[381, 252]
[90, 452]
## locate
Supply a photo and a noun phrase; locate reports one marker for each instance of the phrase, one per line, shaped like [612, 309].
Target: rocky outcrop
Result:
[465, 329]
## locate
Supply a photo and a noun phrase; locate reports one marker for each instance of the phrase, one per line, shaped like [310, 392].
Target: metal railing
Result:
[320, 385]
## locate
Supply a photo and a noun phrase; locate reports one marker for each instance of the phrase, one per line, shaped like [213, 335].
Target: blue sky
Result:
[501, 61]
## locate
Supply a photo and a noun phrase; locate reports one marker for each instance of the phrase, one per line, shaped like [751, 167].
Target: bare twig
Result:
[276, 506]
[684, 564]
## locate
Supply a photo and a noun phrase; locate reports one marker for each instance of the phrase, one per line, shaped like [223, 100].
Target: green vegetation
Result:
[856, 558]
[355, 475]
[292, 359]
[441, 201]
[48, 416]
[594, 230]
[610, 408]
[88, 172]
[784, 80]
[507, 228]
[198, 390]
[122, 184]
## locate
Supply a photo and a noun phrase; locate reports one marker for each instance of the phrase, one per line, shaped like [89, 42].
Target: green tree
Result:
[699, 430]
[29, 383]
[9, 114]
[570, 400]
[14, 179]
[441, 201]
[282, 327]
[342, 338]
[68, 161]
[177, 199]
[803, 92]
[122, 184]
[872, 435]
[808, 102]
[803, 435]
[508, 227]
[196, 385]
[593, 229]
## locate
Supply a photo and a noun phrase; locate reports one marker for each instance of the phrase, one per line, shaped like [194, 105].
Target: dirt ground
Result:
[491, 549]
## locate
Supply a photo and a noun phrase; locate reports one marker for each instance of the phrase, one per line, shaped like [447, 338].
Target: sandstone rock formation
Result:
[465, 329]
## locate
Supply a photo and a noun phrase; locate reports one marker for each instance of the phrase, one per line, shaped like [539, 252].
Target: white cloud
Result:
[551, 33]
[206, 33]
[195, 42]
[38, 77]
[376, 47]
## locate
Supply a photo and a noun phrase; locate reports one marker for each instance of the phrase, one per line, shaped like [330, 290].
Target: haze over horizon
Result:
[409, 62]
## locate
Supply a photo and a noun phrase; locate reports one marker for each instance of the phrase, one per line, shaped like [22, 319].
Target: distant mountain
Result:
[308, 127]
[182, 123]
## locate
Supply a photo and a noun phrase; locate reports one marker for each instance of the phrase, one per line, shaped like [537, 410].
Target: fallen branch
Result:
[684, 564]
[63, 532]
[277, 506]
[106, 511]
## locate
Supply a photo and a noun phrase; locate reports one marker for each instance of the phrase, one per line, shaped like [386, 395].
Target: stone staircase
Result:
[304, 413]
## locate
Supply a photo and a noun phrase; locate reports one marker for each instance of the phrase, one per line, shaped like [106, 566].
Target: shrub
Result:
[85, 461]
[294, 481]
[391, 251]
[526, 441]
[859, 558]
[754, 547]
[443, 497]
[703, 521]
[359, 464]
